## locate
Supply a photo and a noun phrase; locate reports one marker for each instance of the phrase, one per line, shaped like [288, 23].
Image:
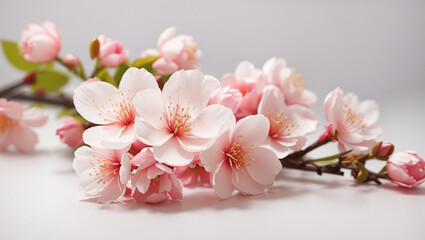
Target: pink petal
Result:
[34, 117]
[110, 136]
[165, 66]
[113, 192]
[153, 172]
[141, 181]
[222, 180]
[304, 117]
[214, 155]
[212, 120]
[279, 149]
[166, 36]
[272, 101]
[164, 183]
[149, 107]
[24, 138]
[135, 80]
[245, 184]
[176, 188]
[187, 89]
[93, 101]
[251, 130]
[150, 134]
[171, 49]
[265, 166]
[125, 169]
[145, 158]
[194, 144]
[171, 153]
[370, 111]
[149, 53]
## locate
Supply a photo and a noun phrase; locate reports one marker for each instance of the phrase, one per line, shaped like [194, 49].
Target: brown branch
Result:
[58, 100]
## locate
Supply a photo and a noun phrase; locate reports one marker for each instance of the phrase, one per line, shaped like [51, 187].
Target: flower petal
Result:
[149, 106]
[212, 120]
[222, 180]
[135, 80]
[171, 153]
[214, 155]
[110, 136]
[251, 130]
[150, 134]
[265, 166]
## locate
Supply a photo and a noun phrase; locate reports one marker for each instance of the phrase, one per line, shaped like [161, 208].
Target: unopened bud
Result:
[29, 79]
[382, 150]
[70, 60]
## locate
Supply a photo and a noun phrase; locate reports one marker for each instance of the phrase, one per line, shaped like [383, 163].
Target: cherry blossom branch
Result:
[302, 153]
[79, 74]
[58, 100]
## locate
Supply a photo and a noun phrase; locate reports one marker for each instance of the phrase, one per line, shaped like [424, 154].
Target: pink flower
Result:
[112, 108]
[103, 173]
[176, 52]
[90, 80]
[40, 43]
[70, 60]
[230, 98]
[70, 132]
[406, 169]
[193, 174]
[111, 52]
[16, 124]
[288, 124]
[154, 182]
[249, 81]
[353, 121]
[177, 121]
[291, 84]
[237, 161]
[383, 149]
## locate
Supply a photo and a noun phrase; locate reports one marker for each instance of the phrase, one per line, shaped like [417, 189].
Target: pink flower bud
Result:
[383, 149]
[406, 169]
[30, 78]
[90, 80]
[70, 60]
[70, 132]
[328, 135]
[111, 52]
[40, 43]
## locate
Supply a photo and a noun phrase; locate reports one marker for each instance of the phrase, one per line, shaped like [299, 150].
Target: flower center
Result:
[281, 125]
[122, 112]
[6, 123]
[178, 119]
[353, 118]
[297, 81]
[104, 167]
[191, 52]
[239, 155]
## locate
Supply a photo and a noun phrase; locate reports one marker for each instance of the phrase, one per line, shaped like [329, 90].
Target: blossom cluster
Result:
[163, 124]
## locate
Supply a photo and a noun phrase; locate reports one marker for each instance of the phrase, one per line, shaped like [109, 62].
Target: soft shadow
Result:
[8, 154]
[417, 191]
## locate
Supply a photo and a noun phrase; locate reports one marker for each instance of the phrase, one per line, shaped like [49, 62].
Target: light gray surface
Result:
[373, 48]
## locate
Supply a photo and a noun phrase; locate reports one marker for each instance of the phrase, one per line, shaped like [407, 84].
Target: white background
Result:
[373, 48]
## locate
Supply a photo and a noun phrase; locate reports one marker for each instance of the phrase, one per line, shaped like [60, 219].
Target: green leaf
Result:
[11, 51]
[38, 105]
[120, 72]
[106, 77]
[383, 170]
[66, 112]
[79, 118]
[145, 63]
[49, 80]
[363, 173]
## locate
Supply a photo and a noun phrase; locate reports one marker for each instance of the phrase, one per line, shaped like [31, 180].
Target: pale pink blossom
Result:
[111, 52]
[249, 81]
[40, 43]
[289, 125]
[406, 169]
[353, 121]
[90, 80]
[290, 83]
[177, 121]
[16, 125]
[230, 98]
[154, 182]
[111, 108]
[193, 174]
[70, 60]
[237, 160]
[71, 132]
[103, 173]
[175, 52]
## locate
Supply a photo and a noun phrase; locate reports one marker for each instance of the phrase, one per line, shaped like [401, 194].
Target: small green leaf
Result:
[106, 77]
[145, 63]
[79, 118]
[12, 54]
[383, 170]
[94, 48]
[66, 112]
[119, 72]
[50, 80]
[38, 105]
[362, 173]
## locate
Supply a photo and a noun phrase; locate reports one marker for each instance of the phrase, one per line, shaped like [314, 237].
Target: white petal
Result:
[171, 153]
[93, 101]
[251, 130]
[222, 181]
[265, 166]
[149, 106]
[150, 134]
[214, 155]
[135, 80]
[212, 121]
[110, 136]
